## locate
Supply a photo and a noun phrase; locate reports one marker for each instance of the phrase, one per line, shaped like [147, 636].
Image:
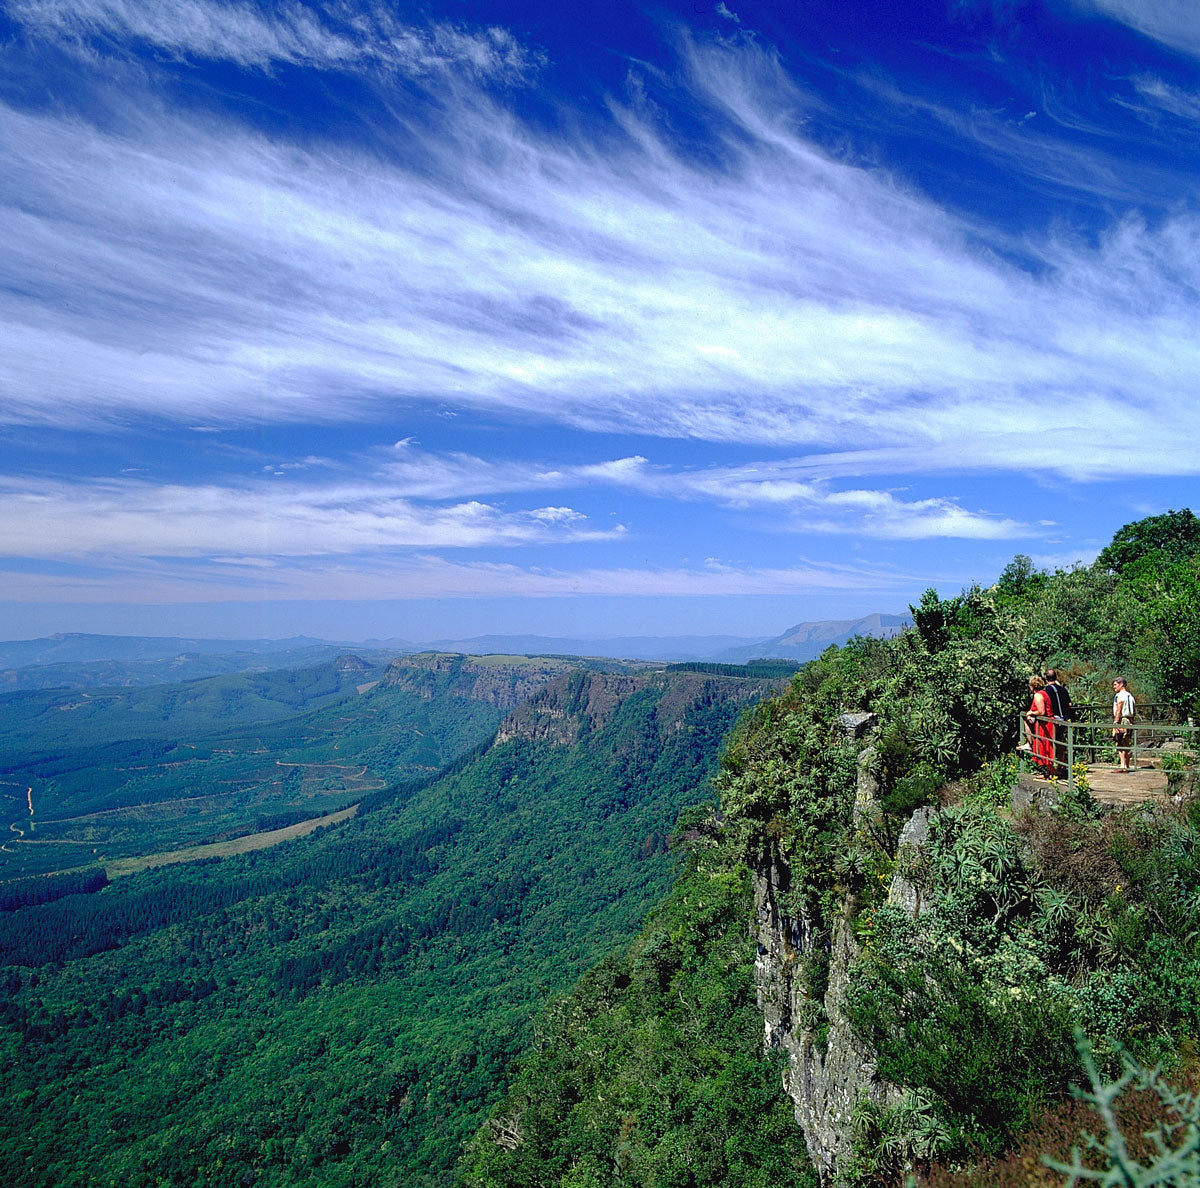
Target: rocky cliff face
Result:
[569, 706]
[828, 1067]
[504, 682]
[583, 701]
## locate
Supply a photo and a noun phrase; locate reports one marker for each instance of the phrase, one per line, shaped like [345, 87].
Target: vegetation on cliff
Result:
[649, 1071]
[1032, 925]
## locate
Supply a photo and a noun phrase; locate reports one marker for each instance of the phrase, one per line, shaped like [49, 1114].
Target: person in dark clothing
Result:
[1060, 699]
[1060, 704]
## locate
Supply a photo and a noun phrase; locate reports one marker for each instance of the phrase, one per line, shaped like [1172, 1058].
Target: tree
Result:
[1175, 535]
[1168, 616]
[1021, 577]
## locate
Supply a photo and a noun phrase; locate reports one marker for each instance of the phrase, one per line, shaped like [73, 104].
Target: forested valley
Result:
[107, 776]
[342, 1009]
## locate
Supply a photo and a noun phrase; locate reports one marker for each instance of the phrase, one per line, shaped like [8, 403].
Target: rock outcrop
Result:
[583, 701]
[905, 889]
[829, 1069]
[504, 682]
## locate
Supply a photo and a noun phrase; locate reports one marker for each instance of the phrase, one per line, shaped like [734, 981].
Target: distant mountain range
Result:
[136, 662]
[77, 648]
[626, 647]
[85, 660]
[805, 641]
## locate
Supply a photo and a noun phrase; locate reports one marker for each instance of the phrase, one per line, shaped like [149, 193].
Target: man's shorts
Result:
[1122, 737]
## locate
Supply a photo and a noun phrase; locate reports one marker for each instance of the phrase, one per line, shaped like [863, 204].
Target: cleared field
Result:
[237, 845]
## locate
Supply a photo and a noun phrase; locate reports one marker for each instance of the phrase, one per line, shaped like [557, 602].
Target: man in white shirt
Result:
[1123, 707]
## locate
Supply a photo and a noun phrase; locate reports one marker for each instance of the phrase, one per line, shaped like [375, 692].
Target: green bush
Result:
[987, 1060]
[1174, 1161]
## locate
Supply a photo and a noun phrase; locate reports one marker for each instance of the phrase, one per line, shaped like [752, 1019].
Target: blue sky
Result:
[376, 320]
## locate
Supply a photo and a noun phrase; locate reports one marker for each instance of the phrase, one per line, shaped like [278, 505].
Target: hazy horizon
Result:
[571, 623]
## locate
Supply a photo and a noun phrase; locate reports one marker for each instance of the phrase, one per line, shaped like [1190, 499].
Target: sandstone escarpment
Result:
[584, 701]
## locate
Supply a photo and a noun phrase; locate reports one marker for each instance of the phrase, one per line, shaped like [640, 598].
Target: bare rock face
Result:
[855, 726]
[570, 706]
[868, 796]
[504, 683]
[829, 1069]
[1031, 792]
[584, 701]
[905, 888]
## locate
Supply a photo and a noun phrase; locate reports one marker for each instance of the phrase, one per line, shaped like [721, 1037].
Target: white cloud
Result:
[785, 486]
[166, 266]
[322, 36]
[1077, 450]
[1185, 104]
[881, 514]
[424, 475]
[1172, 22]
[556, 515]
[813, 505]
[253, 523]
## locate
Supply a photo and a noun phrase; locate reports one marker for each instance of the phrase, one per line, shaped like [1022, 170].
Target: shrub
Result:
[1074, 856]
[937, 1028]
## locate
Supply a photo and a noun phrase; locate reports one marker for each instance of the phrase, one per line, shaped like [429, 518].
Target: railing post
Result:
[1071, 755]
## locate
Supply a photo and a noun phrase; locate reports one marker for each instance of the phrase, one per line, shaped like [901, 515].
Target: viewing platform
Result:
[1164, 755]
[1126, 789]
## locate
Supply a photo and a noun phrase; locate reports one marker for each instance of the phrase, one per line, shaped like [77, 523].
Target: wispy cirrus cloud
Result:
[877, 514]
[786, 487]
[422, 474]
[1087, 166]
[267, 530]
[1172, 22]
[323, 36]
[167, 265]
[1165, 97]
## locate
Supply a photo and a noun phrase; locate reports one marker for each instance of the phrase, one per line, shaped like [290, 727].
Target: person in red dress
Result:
[1038, 729]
